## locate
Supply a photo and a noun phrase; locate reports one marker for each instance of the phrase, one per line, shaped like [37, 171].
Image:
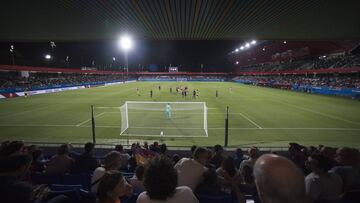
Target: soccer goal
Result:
[168, 119]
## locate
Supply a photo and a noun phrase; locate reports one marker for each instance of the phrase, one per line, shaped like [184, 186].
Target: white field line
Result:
[221, 128]
[145, 135]
[251, 121]
[87, 120]
[318, 112]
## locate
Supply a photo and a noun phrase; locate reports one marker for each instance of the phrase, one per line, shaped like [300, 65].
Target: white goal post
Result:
[147, 118]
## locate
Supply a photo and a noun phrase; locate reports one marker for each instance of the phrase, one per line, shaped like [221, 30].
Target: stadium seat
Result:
[73, 195]
[78, 179]
[215, 199]
[40, 178]
[58, 187]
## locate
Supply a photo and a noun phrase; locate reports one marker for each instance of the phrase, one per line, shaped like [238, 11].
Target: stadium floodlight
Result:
[247, 45]
[284, 42]
[125, 42]
[48, 56]
[237, 62]
[263, 49]
[114, 59]
[236, 50]
[253, 42]
[242, 47]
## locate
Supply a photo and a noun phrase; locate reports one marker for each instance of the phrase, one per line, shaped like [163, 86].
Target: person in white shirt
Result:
[321, 184]
[160, 181]
[190, 171]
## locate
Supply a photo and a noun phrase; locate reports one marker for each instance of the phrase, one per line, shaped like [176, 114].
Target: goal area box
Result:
[185, 119]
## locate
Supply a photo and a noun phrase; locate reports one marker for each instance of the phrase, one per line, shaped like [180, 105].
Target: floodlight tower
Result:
[125, 42]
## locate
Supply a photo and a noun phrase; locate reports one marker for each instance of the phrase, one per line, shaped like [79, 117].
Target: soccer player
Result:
[216, 94]
[194, 94]
[168, 111]
[159, 87]
[151, 93]
[137, 91]
[170, 89]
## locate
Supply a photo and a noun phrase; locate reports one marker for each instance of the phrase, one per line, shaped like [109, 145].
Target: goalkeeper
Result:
[168, 111]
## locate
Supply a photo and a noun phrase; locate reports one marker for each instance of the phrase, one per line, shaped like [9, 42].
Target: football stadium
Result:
[199, 101]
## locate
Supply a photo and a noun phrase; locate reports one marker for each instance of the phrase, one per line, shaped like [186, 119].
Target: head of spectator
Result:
[319, 164]
[239, 153]
[228, 164]
[111, 187]
[89, 148]
[64, 149]
[119, 148]
[163, 148]
[10, 148]
[201, 155]
[160, 179]
[218, 149]
[347, 156]
[15, 165]
[112, 161]
[146, 145]
[192, 149]
[254, 153]
[279, 180]
[328, 152]
[175, 158]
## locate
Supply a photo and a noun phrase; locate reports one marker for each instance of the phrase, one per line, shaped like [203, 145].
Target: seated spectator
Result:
[190, 171]
[124, 157]
[212, 185]
[12, 169]
[160, 181]
[239, 157]
[175, 158]
[321, 184]
[279, 180]
[112, 161]
[247, 183]
[253, 156]
[60, 163]
[217, 158]
[347, 160]
[36, 165]
[86, 163]
[12, 148]
[137, 180]
[112, 186]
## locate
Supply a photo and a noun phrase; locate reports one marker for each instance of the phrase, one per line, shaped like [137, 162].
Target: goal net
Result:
[168, 119]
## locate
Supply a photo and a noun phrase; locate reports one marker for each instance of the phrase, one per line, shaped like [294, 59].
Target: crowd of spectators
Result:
[150, 174]
[322, 62]
[14, 80]
[287, 81]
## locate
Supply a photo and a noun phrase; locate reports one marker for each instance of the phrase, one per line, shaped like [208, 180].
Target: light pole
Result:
[126, 43]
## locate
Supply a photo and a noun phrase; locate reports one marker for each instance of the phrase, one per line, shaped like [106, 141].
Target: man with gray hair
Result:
[278, 180]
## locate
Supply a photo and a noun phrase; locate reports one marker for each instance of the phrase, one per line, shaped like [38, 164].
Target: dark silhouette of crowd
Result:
[151, 173]
[287, 81]
[322, 62]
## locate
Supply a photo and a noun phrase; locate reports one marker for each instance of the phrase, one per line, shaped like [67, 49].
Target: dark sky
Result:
[188, 55]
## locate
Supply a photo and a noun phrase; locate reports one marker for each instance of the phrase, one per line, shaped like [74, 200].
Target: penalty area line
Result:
[251, 121]
[81, 123]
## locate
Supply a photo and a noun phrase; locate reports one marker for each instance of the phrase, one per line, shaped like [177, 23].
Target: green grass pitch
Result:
[258, 116]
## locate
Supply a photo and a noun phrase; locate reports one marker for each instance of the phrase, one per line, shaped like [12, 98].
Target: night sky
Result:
[188, 55]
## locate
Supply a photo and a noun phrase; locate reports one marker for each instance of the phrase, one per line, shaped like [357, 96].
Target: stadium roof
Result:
[179, 19]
